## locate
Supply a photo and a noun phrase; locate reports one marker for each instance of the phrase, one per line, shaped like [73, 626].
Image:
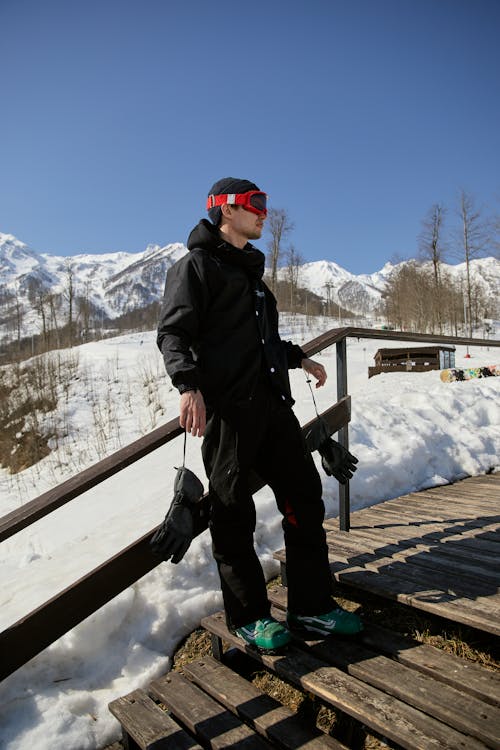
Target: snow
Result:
[409, 431]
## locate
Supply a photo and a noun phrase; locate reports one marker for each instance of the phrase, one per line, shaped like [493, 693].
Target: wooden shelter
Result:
[413, 359]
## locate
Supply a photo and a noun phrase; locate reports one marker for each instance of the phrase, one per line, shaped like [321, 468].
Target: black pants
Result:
[266, 439]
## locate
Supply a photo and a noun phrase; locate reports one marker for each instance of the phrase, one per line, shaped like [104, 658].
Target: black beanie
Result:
[227, 185]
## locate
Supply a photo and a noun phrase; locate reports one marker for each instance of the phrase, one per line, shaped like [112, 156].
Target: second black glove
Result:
[173, 537]
[337, 461]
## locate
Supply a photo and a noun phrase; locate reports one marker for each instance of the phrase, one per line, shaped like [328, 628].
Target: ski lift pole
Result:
[343, 434]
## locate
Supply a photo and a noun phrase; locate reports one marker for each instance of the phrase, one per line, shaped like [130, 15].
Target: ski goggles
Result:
[253, 201]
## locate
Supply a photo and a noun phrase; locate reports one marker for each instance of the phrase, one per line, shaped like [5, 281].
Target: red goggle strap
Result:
[233, 199]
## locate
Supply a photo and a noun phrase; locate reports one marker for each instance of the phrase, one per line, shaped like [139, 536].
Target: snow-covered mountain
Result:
[111, 284]
[115, 283]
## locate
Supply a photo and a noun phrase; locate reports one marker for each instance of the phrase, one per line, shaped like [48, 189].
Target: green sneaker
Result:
[266, 634]
[336, 622]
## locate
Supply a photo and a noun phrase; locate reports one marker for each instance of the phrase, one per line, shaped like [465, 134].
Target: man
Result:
[218, 334]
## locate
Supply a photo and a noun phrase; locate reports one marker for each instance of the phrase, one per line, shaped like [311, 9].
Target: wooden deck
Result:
[437, 550]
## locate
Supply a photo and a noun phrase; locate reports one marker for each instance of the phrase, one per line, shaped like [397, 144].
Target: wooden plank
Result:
[476, 613]
[473, 487]
[449, 510]
[337, 334]
[405, 725]
[475, 539]
[484, 480]
[52, 499]
[450, 590]
[211, 723]
[480, 495]
[424, 579]
[447, 513]
[149, 726]
[477, 486]
[459, 496]
[457, 546]
[434, 600]
[460, 673]
[454, 550]
[465, 675]
[446, 703]
[353, 554]
[42, 626]
[428, 556]
[265, 714]
[467, 541]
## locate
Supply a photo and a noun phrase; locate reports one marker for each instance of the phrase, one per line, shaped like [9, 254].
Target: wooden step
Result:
[212, 724]
[379, 536]
[385, 714]
[265, 714]
[444, 702]
[470, 678]
[145, 725]
[429, 556]
[415, 586]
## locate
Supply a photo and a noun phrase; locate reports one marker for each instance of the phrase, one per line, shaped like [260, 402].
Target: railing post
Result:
[343, 436]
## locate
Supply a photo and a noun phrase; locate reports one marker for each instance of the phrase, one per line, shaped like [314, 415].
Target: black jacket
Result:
[218, 328]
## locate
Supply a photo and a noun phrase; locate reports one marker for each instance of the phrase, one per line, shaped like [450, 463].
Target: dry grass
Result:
[29, 391]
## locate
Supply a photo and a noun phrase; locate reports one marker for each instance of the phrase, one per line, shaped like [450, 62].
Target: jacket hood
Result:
[206, 237]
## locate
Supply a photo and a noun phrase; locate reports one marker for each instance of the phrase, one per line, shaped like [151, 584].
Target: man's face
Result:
[246, 223]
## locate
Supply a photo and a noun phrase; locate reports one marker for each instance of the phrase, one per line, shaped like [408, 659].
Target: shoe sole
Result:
[267, 651]
[276, 651]
[304, 630]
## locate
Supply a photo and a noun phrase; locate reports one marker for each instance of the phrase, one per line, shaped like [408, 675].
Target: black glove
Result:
[337, 461]
[173, 537]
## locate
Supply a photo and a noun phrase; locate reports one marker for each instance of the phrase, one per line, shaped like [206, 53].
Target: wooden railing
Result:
[41, 627]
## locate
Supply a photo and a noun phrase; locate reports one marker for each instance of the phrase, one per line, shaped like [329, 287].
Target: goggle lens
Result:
[259, 201]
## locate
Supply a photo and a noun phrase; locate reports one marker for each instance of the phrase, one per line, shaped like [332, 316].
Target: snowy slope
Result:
[408, 430]
[114, 283]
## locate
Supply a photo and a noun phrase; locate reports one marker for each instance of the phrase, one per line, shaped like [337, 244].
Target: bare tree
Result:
[54, 301]
[86, 308]
[38, 296]
[431, 241]
[410, 299]
[69, 294]
[432, 247]
[19, 314]
[473, 235]
[294, 262]
[279, 226]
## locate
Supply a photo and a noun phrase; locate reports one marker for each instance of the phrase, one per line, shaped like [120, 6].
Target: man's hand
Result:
[316, 369]
[193, 413]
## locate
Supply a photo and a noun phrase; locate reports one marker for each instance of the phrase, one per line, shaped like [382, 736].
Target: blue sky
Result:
[356, 116]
